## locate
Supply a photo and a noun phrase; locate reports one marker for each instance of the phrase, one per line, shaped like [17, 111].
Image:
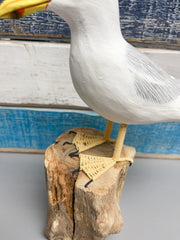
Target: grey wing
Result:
[152, 84]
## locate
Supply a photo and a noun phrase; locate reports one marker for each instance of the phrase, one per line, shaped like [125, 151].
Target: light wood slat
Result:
[36, 73]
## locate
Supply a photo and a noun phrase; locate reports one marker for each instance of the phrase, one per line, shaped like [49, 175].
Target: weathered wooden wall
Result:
[142, 21]
[38, 73]
[38, 128]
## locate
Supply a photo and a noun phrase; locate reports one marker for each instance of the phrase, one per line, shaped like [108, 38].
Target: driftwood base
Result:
[76, 212]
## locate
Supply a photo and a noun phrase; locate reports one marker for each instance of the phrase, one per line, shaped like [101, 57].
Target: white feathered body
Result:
[113, 78]
[118, 91]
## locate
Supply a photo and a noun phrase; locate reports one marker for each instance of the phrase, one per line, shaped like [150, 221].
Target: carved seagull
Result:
[112, 77]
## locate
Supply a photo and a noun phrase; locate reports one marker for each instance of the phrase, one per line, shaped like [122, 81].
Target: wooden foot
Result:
[76, 212]
[84, 141]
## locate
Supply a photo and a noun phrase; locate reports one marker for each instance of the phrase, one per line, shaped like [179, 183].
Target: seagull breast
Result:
[112, 77]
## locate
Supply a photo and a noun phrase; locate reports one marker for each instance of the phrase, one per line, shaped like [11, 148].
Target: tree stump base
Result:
[76, 212]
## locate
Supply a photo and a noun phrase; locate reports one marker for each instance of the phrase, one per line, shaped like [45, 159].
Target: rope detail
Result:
[95, 166]
[83, 141]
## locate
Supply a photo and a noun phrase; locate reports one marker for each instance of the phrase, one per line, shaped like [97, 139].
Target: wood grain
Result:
[153, 22]
[38, 128]
[76, 212]
[36, 73]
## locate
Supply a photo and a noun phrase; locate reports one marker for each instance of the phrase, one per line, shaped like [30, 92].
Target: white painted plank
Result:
[38, 73]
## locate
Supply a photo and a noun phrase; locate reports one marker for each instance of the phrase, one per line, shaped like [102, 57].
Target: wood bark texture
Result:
[76, 212]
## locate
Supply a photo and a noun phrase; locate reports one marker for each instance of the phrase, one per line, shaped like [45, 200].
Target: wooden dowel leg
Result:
[108, 130]
[119, 142]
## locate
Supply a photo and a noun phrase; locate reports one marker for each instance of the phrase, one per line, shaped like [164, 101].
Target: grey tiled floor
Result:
[150, 202]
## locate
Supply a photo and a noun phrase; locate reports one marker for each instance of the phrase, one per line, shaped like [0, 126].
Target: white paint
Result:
[113, 78]
[38, 73]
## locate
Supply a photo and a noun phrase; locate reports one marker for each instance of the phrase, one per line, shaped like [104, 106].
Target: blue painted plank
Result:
[37, 129]
[142, 20]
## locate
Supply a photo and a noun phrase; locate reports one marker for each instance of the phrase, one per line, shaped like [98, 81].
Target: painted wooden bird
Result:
[112, 77]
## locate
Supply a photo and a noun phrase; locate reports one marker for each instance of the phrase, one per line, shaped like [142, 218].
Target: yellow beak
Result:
[21, 8]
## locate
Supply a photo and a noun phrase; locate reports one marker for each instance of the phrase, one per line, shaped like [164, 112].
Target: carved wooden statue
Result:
[117, 81]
